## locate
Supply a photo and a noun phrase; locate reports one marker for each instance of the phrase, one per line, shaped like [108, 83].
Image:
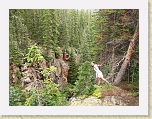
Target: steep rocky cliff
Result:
[28, 74]
[60, 76]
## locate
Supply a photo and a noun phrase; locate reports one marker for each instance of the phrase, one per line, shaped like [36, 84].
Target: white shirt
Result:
[96, 69]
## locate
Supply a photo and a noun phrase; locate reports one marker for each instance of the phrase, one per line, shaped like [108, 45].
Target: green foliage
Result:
[16, 96]
[18, 37]
[135, 74]
[14, 55]
[84, 50]
[31, 99]
[48, 27]
[113, 24]
[84, 96]
[134, 85]
[84, 84]
[46, 72]
[64, 94]
[33, 55]
[97, 92]
[18, 74]
[106, 87]
[45, 28]
[84, 30]
[65, 91]
[134, 94]
[134, 77]
[73, 69]
[63, 28]
[50, 95]
[47, 58]
[105, 69]
[57, 52]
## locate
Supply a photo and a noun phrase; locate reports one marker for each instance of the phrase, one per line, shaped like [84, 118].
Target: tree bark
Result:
[128, 57]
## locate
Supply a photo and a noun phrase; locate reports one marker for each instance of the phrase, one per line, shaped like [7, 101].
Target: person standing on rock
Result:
[99, 74]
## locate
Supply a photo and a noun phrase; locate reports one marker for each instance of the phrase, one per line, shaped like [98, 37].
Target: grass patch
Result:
[98, 90]
[106, 87]
[84, 96]
[134, 94]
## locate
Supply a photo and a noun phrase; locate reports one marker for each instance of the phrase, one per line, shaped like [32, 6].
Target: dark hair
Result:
[92, 62]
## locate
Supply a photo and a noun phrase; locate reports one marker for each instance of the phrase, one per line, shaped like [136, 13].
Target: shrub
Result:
[16, 96]
[84, 84]
[97, 92]
[57, 52]
[33, 55]
[49, 94]
[134, 94]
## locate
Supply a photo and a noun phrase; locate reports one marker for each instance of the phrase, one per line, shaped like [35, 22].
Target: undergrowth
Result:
[98, 90]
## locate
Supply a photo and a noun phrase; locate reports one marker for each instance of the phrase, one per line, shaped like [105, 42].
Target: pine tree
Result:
[31, 22]
[55, 26]
[18, 36]
[63, 29]
[84, 84]
[45, 28]
[73, 69]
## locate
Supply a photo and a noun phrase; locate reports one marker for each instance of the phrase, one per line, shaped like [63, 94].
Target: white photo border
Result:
[142, 109]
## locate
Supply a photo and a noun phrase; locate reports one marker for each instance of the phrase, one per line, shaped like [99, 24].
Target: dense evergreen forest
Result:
[50, 54]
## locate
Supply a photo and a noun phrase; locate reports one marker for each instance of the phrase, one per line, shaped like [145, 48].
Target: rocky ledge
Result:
[94, 101]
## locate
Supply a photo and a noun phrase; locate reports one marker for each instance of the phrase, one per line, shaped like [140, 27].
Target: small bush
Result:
[16, 96]
[57, 52]
[97, 93]
[106, 87]
[50, 95]
[33, 55]
[134, 94]
[18, 74]
[84, 84]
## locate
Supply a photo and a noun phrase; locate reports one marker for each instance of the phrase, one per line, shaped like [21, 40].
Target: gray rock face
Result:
[60, 76]
[112, 101]
[94, 101]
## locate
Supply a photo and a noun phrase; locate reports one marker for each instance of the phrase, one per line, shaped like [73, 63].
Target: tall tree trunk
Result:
[128, 56]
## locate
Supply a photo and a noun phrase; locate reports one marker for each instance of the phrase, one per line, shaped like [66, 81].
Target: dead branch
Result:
[117, 42]
[111, 75]
[114, 67]
[128, 56]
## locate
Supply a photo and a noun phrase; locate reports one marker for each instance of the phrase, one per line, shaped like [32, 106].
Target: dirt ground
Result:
[122, 90]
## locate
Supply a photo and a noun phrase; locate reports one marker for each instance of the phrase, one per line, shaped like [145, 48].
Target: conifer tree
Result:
[45, 28]
[18, 37]
[73, 69]
[84, 84]
[63, 29]
[55, 26]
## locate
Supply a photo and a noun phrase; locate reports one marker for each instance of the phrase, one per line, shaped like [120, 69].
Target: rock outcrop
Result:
[61, 63]
[31, 73]
[94, 101]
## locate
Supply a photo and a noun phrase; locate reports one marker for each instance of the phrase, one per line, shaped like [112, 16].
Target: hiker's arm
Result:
[100, 65]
